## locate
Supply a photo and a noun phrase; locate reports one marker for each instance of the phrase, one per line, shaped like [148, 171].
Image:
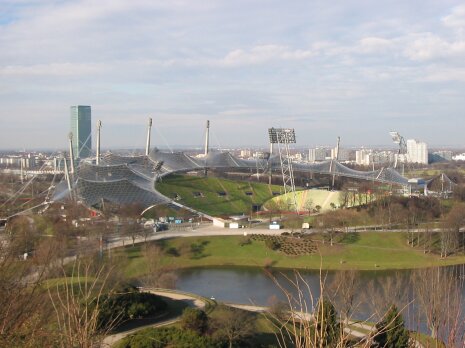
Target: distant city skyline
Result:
[352, 69]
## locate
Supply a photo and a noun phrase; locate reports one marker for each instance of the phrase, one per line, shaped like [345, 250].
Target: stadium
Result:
[123, 180]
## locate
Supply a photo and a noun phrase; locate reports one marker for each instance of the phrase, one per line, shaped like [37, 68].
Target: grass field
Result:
[203, 194]
[361, 251]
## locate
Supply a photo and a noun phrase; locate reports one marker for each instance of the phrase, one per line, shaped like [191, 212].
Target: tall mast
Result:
[71, 152]
[207, 137]
[149, 131]
[97, 157]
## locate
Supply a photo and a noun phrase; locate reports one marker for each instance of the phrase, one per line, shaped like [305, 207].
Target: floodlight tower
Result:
[97, 157]
[283, 137]
[400, 141]
[149, 131]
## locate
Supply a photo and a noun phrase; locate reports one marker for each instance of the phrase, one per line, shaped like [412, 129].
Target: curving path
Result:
[191, 300]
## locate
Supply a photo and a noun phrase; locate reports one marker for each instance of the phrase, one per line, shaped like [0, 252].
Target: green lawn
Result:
[361, 251]
[239, 198]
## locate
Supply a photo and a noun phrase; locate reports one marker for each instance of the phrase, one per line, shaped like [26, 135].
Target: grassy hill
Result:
[360, 251]
[323, 198]
[216, 196]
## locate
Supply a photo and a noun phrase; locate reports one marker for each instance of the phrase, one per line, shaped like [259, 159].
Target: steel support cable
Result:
[164, 140]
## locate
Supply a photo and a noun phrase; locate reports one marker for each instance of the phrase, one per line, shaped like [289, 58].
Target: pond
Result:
[371, 291]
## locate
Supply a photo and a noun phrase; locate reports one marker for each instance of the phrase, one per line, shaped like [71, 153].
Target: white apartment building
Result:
[363, 157]
[367, 157]
[417, 151]
[316, 155]
[344, 154]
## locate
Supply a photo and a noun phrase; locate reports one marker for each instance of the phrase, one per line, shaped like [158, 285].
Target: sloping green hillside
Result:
[322, 198]
[216, 196]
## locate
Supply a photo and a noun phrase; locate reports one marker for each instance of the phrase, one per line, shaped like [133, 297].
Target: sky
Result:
[354, 69]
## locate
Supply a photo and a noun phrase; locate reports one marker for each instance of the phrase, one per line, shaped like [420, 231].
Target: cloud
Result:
[375, 44]
[429, 46]
[264, 53]
[53, 69]
[456, 19]
[440, 74]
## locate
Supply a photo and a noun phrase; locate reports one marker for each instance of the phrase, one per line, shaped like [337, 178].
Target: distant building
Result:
[460, 157]
[363, 157]
[344, 154]
[367, 157]
[316, 155]
[245, 153]
[81, 128]
[417, 151]
[27, 161]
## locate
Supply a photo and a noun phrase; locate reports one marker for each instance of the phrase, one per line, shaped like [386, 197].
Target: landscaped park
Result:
[373, 250]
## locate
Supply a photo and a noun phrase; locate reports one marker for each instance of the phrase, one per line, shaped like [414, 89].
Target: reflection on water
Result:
[372, 291]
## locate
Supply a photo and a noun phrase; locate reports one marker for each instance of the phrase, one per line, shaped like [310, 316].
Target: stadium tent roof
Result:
[126, 179]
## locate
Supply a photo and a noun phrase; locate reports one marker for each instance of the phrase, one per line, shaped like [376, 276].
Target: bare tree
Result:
[159, 274]
[77, 302]
[439, 294]
[233, 324]
[343, 290]
[23, 311]
[308, 206]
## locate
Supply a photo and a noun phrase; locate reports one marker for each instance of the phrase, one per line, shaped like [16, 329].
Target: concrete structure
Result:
[27, 161]
[417, 151]
[363, 157]
[368, 157]
[317, 155]
[340, 154]
[81, 128]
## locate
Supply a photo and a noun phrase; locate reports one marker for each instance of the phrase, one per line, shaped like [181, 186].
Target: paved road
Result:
[118, 241]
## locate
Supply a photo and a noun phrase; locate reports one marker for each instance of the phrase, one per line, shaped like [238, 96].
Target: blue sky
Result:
[355, 69]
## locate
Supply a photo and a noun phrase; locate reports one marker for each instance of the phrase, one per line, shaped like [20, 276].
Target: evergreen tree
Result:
[328, 328]
[391, 331]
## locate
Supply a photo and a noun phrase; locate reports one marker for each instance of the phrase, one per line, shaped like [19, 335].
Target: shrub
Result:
[167, 337]
[273, 244]
[194, 319]
[245, 241]
[129, 303]
[172, 252]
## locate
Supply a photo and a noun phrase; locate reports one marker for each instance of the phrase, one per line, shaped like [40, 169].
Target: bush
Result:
[272, 243]
[172, 252]
[194, 319]
[128, 303]
[245, 241]
[167, 337]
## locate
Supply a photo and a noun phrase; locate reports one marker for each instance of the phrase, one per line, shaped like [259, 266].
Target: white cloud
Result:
[430, 46]
[375, 44]
[456, 19]
[264, 53]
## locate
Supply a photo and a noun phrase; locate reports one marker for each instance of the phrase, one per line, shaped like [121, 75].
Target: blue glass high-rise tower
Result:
[81, 128]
